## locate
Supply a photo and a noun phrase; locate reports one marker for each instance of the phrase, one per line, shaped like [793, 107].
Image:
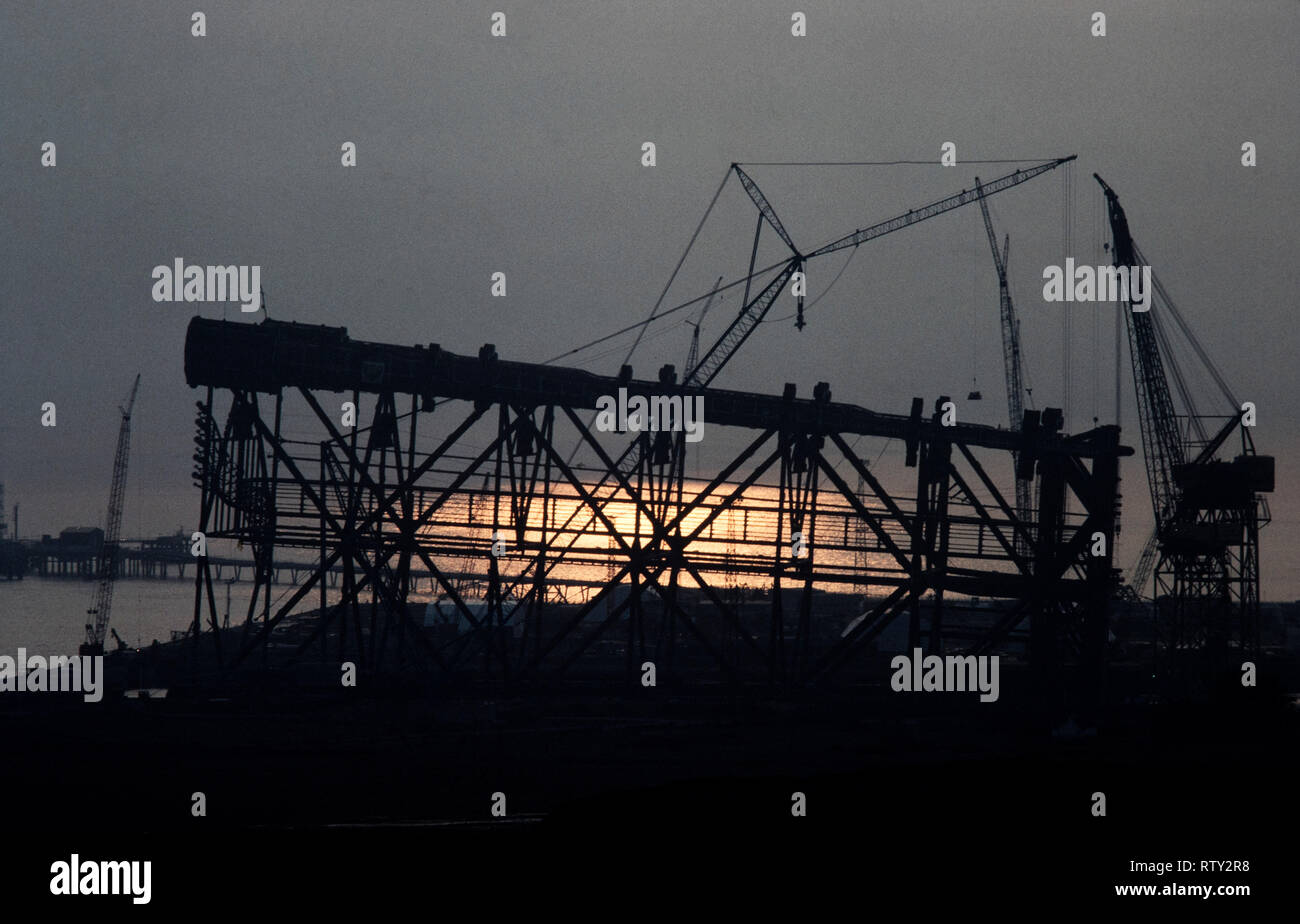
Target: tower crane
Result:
[1011, 357]
[107, 571]
[1208, 512]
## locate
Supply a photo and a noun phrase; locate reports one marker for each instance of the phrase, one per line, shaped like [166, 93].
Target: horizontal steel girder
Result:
[274, 355]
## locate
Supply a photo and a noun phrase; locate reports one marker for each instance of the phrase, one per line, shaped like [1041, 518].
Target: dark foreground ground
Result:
[667, 805]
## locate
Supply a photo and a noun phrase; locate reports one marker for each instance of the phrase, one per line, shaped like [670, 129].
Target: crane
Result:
[694, 353]
[1208, 512]
[1141, 571]
[1011, 358]
[700, 373]
[103, 600]
[707, 369]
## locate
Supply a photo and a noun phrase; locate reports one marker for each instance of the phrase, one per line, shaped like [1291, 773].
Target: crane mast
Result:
[107, 570]
[1010, 356]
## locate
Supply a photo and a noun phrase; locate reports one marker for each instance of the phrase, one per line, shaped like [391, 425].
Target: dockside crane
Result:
[107, 566]
[1011, 360]
[1208, 512]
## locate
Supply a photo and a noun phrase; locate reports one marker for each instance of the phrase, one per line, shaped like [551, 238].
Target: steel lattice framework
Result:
[385, 505]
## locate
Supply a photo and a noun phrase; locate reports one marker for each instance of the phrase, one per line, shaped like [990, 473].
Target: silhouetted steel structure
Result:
[383, 498]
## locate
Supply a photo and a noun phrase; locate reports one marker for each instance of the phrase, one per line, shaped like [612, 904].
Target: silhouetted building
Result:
[84, 539]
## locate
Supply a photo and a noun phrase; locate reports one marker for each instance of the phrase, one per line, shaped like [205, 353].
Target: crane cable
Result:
[1067, 246]
[974, 332]
[830, 285]
[1192, 339]
[663, 314]
[689, 244]
[654, 312]
[883, 163]
[1095, 231]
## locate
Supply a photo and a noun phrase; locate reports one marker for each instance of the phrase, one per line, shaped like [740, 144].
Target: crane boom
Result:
[107, 571]
[764, 207]
[752, 314]
[739, 330]
[1010, 326]
[965, 197]
[1156, 415]
[1010, 353]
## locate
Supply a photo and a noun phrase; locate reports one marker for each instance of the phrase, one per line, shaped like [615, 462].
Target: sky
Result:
[522, 154]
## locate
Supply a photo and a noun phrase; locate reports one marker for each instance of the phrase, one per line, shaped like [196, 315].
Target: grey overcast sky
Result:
[522, 154]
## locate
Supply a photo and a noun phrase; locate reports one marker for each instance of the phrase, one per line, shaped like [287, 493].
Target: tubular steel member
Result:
[508, 534]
